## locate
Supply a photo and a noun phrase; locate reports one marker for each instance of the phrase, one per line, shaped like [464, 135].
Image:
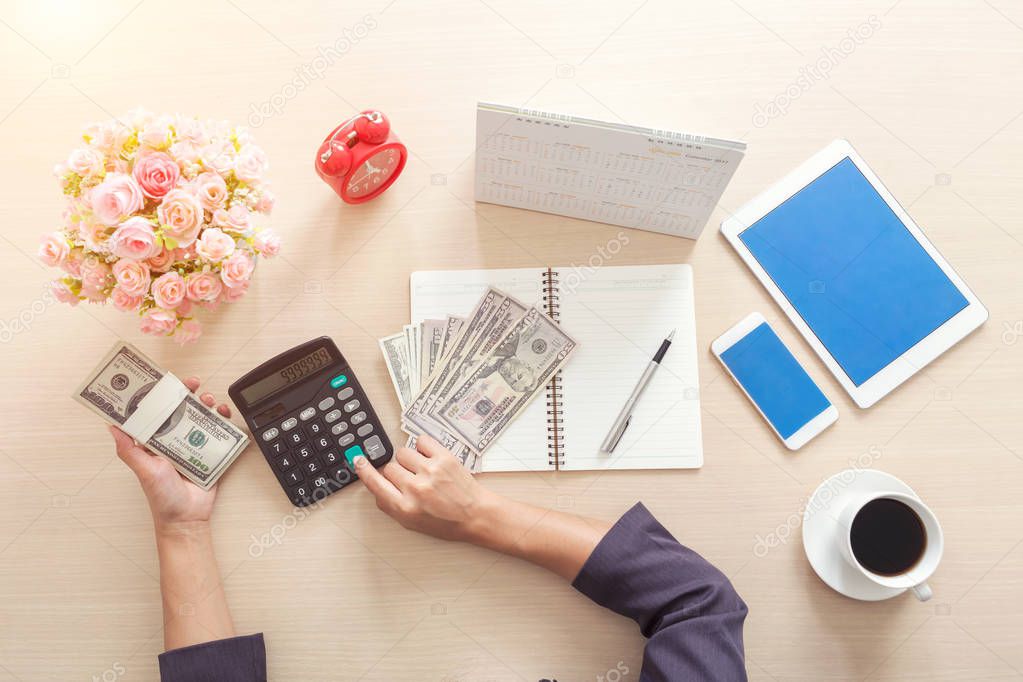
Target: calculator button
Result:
[365, 430]
[326, 404]
[307, 414]
[338, 381]
[353, 452]
[312, 467]
[302, 492]
[341, 474]
[270, 434]
[375, 447]
[322, 443]
[331, 457]
[304, 452]
[352, 406]
[346, 393]
[294, 477]
[358, 417]
[289, 424]
[339, 428]
[346, 439]
[296, 437]
[315, 428]
[332, 416]
[278, 448]
[285, 463]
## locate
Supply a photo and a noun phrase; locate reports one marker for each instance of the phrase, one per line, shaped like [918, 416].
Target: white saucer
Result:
[821, 532]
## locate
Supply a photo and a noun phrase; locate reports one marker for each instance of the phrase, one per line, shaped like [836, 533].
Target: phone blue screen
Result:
[775, 380]
[852, 271]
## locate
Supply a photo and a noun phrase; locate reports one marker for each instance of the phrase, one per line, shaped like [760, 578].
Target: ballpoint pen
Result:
[625, 416]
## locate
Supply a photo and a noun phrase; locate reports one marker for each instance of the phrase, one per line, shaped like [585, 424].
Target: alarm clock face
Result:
[373, 174]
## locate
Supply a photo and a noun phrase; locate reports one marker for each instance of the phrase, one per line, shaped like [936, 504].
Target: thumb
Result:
[129, 453]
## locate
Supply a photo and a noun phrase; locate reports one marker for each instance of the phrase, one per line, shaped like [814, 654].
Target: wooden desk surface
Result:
[930, 98]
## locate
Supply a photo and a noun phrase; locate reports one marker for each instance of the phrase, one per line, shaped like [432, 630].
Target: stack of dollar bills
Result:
[132, 392]
[463, 380]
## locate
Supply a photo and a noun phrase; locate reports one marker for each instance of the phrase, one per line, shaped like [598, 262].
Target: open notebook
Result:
[619, 316]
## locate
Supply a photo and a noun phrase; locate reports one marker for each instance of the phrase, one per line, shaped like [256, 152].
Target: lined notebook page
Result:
[523, 447]
[620, 315]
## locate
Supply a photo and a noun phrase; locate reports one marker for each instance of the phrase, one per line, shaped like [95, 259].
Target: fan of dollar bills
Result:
[463, 380]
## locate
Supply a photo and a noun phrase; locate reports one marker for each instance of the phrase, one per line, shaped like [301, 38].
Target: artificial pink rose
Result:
[162, 260]
[94, 234]
[134, 239]
[85, 161]
[96, 275]
[188, 332]
[132, 276]
[184, 152]
[181, 216]
[124, 301]
[211, 190]
[108, 136]
[203, 286]
[187, 253]
[265, 203]
[232, 294]
[62, 292]
[250, 164]
[72, 265]
[184, 308]
[116, 198]
[168, 290]
[157, 174]
[234, 219]
[214, 244]
[236, 270]
[156, 132]
[53, 249]
[267, 243]
[94, 295]
[158, 322]
[218, 157]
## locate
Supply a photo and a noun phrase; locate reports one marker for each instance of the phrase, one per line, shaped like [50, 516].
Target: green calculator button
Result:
[338, 381]
[353, 452]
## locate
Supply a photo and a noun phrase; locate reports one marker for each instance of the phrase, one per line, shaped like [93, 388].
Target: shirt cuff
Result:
[236, 659]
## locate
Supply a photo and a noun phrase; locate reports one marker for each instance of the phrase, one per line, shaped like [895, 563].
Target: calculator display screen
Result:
[287, 375]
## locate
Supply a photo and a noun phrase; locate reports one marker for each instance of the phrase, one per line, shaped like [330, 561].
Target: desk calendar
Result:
[649, 179]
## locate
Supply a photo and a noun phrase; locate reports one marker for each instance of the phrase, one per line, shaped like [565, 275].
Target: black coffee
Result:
[887, 537]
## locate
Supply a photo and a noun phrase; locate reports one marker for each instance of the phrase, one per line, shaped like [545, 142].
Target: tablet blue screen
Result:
[852, 271]
[775, 380]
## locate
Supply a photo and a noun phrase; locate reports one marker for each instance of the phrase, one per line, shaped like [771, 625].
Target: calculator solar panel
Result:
[310, 417]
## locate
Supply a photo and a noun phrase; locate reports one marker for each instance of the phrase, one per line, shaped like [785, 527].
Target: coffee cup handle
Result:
[922, 591]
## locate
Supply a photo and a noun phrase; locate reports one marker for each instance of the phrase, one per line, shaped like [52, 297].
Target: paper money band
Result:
[155, 408]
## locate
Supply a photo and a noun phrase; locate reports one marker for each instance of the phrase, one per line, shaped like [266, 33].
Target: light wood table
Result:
[931, 98]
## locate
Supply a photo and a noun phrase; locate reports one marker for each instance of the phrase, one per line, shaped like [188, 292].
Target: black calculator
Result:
[311, 418]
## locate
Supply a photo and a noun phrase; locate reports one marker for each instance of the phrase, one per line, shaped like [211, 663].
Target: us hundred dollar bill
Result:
[200, 443]
[500, 387]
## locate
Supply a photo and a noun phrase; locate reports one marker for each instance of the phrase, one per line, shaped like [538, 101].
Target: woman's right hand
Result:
[428, 490]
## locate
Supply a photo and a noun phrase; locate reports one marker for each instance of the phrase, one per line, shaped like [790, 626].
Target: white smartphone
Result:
[763, 367]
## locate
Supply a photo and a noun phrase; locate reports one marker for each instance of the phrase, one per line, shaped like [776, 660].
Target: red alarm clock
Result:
[361, 157]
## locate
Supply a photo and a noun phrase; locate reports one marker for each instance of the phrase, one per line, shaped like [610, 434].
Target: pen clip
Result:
[618, 436]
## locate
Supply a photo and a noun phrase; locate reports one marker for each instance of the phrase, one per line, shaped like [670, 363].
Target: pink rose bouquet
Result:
[161, 219]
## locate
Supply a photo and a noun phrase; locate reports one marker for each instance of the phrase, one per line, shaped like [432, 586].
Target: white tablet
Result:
[854, 273]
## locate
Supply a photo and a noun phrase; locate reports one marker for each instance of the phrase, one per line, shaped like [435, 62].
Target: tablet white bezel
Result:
[824, 419]
[916, 357]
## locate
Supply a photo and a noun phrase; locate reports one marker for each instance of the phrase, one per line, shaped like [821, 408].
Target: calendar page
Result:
[649, 179]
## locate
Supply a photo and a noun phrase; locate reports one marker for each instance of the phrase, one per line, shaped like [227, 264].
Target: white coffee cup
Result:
[915, 578]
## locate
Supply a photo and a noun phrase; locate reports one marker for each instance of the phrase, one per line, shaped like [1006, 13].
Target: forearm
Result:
[555, 540]
[194, 606]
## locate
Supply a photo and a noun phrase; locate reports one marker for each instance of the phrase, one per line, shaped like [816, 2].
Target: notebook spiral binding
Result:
[555, 416]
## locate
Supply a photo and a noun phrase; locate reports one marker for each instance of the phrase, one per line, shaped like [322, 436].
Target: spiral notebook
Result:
[619, 315]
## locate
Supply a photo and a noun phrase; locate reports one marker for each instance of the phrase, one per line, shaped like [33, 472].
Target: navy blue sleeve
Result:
[686, 607]
[238, 659]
